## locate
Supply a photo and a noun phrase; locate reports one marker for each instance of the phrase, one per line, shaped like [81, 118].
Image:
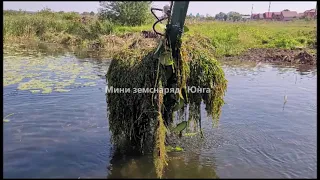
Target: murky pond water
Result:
[64, 133]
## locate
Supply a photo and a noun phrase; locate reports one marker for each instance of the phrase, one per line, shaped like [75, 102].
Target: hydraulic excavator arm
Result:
[168, 52]
[176, 23]
[176, 15]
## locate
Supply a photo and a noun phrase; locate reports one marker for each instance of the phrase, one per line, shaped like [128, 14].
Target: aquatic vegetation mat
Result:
[39, 73]
[143, 121]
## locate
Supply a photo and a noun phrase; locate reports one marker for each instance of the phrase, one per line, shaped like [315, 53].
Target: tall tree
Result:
[130, 13]
[220, 16]
[234, 16]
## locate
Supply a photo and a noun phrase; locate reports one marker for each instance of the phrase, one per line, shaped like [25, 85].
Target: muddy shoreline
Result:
[277, 56]
[115, 44]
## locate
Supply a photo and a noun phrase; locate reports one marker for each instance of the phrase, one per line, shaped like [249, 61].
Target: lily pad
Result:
[62, 90]
[173, 149]
[180, 127]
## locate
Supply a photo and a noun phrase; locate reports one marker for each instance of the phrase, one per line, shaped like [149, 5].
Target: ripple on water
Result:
[66, 134]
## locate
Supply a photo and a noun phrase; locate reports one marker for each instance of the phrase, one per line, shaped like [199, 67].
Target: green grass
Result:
[233, 38]
[227, 38]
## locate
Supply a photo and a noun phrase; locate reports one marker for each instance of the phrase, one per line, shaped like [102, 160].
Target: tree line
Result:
[136, 13]
[133, 13]
[230, 16]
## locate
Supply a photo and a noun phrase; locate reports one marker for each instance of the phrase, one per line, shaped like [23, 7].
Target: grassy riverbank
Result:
[224, 38]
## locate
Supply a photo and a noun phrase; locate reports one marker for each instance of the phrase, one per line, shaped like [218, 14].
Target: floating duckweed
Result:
[47, 90]
[62, 90]
[32, 84]
[34, 91]
[73, 77]
[11, 81]
[43, 73]
[89, 84]
[89, 77]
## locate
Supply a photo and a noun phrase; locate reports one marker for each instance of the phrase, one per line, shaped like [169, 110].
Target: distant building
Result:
[260, 16]
[288, 15]
[276, 15]
[257, 16]
[285, 15]
[310, 13]
[301, 15]
[267, 15]
[245, 17]
[254, 16]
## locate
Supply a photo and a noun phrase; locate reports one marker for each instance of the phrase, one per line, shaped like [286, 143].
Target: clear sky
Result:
[201, 7]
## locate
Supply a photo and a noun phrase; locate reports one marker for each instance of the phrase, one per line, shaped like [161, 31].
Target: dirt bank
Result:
[277, 56]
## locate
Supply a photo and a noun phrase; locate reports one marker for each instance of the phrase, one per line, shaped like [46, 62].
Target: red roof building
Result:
[300, 15]
[276, 15]
[285, 15]
[267, 15]
[310, 13]
[257, 16]
[254, 16]
[288, 15]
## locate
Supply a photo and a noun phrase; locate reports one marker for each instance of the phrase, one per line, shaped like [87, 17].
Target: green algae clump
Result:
[140, 121]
